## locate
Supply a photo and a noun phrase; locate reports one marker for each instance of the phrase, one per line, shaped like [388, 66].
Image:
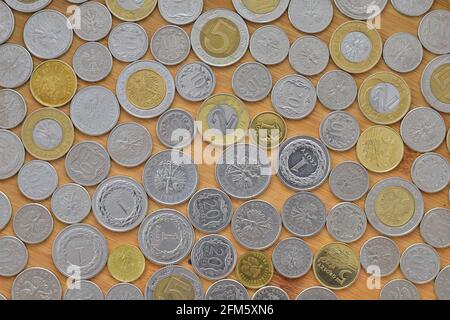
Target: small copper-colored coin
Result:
[126, 263]
[131, 10]
[268, 130]
[254, 269]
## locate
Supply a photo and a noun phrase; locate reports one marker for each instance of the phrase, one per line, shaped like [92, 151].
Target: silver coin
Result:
[12, 154]
[310, 16]
[87, 163]
[14, 256]
[430, 74]
[166, 237]
[92, 62]
[80, 249]
[294, 97]
[382, 253]
[252, 81]
[71, 203]
[195, 81]
[420, 263]
[170, 45]
[405, 187]
[442, 284]
[37, 180]
[192, 288]
[176, 128]
[28, 6]
[270, 293]
[346, 222]
[124, 292]
[399, 289]
[356, 47]
[339, 130]
[13, 109]
[403, 52]
[119, 204]
[36, 284]
[170, 177]
[6, 22]
[210, 210]
[435, 228]
[243, 171]
[180, 12]
[269, 45]
[227, 289]
[309, 55]
[145, 112]
[337, 90]
[292, 258]
[423, 129]
[213, 257]
[95, 21]
[33, 223]
[433, 31]
[317, 293]
[256, 225]
[47, 34]
[221, 56]
[412, 8]
[430, 172]
[130, 144]
[6, 210]
[16, 65]
[361, 9]
[349, 181]
[261, 13]
[304, 214]
[84, 290]
[128, 42]
[304, 163]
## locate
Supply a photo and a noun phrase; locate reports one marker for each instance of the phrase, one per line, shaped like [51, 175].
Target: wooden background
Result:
[277, 193]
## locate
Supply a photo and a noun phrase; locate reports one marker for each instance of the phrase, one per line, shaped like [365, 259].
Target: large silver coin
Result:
[420, 263]
[36, 284]
[337, 90]
[37, 180]
[263, 12]
[309, 55]
[256, 225]
[176, 128]
[84, 290]
[269, 45]
[95, 21]
[433, 31]
[442, 284]
[16, 65]
[430, 172]
[170, 45]
[180, 12]
[339, 131]
[361, 9]
[124, 291]
[252, 81]
[349, 181]
[317, 293]
[227, 289]
[80, 249]
[6, 210]
[435, 228]
[413, 8]
[28, 6]
[310, 16]
[270, 293]
[304, 214]
[381, 253]
[33, 223]
[12, 154]
[92, 62]
[292, 258]
[166, 237]
[399, 289]
[128, 42]
[403, 52]
[195, 81]
[71, 203]
[14, 256]
[434, 84]
[13, 109]
[6, 22]
[346, 222]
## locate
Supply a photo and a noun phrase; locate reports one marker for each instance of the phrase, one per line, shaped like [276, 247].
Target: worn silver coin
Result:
[361, 9]
[292, 258]
[33, 223]
[227, 289]
[420, 263]
[310, 16]
[435, 228]
[433, 31]
[339, 130]
[12, 154]
[95, 21]
[337, 90]
[399, 289]
[403, 52]
[430, 172]
[309, 55]
[261, 13]
[317, 293]
[13, 108]
[36, 284]
[176, 128]
[380, 254]
[195, 81]
[37, 180]
[28, 6]
[270, 293]
[346, 222]
[84, 290]
[432, 73]
[170, 45]
[6, 22]
[349, 181]
[442, 284]
[412, 8]
[6, 210]
[124, 292]
[14, 256]
[180, 12]
[71, 203]
[269, 45]
[252, 81]
[16, 65]
[92, 62]
[128, 42]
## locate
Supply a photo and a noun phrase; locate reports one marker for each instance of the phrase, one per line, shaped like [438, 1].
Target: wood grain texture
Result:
[391, 22]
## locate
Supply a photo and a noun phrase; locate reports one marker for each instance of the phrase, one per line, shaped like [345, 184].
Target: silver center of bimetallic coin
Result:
[47, 134]
[356, 47]
[384, 98]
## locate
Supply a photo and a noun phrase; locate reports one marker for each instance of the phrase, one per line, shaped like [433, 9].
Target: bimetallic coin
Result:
[124, 292]
[80, 248]
[380, 149]
[227, 289]
[380, 255]
[180, 12]
[317, 293]
[15, 256]
[6, 210]
[33, 223]
[166, 237]
[13, 108]
[442, 284]
[435, 228]
[294, 97]
[309, 55]
[304, 214]
[269, 45]
[92, 62]
[420, 263]
[394, 207]
[337, 90]
[403, 52]
[268, 130]
[28, 6]
[224, 49]
[131, 10]
[71, 203]
[292, 258]
[176, 128]
[339, 131]
[261, 11]
[433, 31]
[252, 81]
[254, 269]
[130, 144]
[336, 266]
[126, 263]
[37, 180]
[270, 293]
[346, 222]
[7, 22]
[195, 81]
[95, 21]
[16, 65]
[174, 283]
[128, 42]
[413, 8]
[430, 172]
[310, 16]
[399, 289]
[170, 45]
[45, 285]
[84, 290]
[210, 210]
[256, 225]
[349, 181]
[435, 84]
[12, 154]
[361, 9]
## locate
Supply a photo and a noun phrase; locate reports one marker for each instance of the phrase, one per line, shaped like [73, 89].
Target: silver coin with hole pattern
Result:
[84, 290]
[339, 131]
[252, 81]
[33, 223]
[36, 284]
[95, 21]
[442, 284]
[16, 65]
[346, 222]
[349, 181]
[309, 55]
[310, 16]
[435, 228]
[420, 263]
[337, 90]
[170, 45]
[6, 22]
[430, 172]
[413, 8]
[92, 62]
[176, 128]
[195, 81]
[14, 256]
[269, 45]
[71, 203]
[433, 31]
[28, 6]
[399, 289]
[380, 254]
[180, 12]
[270, 293]
[12, 154]
[292, 258]
[128, 42]
[37, 180]
[317, 293]
[361, 9]
[124, 292]
[434, 88]
[227, 289]
[13, 109]
[6, 210]
[403, 52]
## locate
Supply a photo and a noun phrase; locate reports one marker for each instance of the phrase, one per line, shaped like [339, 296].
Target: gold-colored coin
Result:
[380, 149]
[47, 134]
[268, 130]
[146, 89]
[215, 45]
[384, 98]
[355, 48]
[440, 85]
[126, 263]
[130, 10]
[53, 83]
[224, 119]
[261, 6]
[336, 266]
[254, 269]
[394, 206]
[174, 287]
